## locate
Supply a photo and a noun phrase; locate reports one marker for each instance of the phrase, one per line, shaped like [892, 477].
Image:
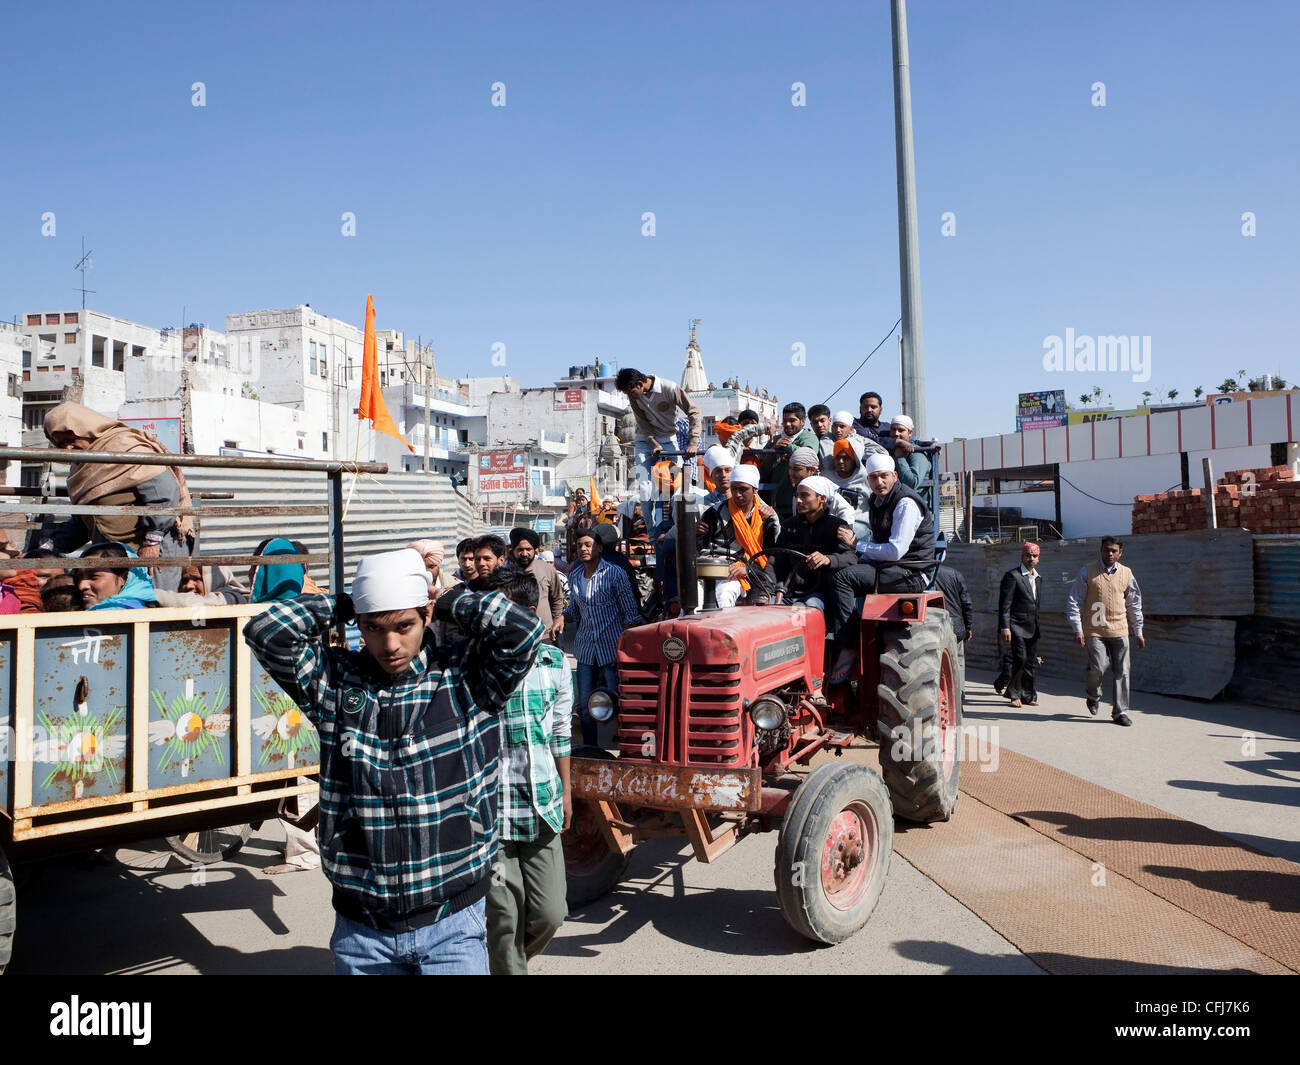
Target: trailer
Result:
[124, 725]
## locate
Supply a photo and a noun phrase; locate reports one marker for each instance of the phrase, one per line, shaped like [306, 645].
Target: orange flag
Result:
[595, 499]
[372, 398]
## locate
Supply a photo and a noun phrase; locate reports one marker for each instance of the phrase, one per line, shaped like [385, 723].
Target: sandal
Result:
[848, 658]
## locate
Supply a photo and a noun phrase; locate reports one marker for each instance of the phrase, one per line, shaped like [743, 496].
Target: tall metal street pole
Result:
[908, 255]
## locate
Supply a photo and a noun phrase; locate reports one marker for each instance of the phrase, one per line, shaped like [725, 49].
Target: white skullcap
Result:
[744, 474]
[842, 417]
[821, 485]
[717, 456]
[395, 580]
[877, 463]
[904, 421]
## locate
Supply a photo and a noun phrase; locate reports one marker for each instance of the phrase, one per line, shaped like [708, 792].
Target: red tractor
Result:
[714, 711]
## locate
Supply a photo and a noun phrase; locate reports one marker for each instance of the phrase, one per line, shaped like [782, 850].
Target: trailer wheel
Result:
[8, 911]
[590, 867]
[210, 845]
[833, 852]
[920, 713]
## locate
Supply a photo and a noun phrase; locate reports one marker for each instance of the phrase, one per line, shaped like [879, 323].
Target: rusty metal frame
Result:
[140, 803]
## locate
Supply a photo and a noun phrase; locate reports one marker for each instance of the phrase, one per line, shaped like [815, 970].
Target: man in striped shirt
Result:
[602, 604]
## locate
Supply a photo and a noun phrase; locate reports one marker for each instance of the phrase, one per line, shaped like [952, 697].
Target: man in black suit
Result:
[1018, 600]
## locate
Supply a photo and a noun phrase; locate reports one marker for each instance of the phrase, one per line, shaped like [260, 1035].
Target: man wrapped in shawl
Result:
[76, 428]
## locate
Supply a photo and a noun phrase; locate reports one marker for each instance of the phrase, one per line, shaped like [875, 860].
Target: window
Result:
[119, 355]
[232, 444]
[71, 318]
[69, 338]
[97, 350]
[48, 338]
[27, 359]
[324, 441]
[33, 319]
[59, 369]
[15, 386]
[51, 319]
[324, 369]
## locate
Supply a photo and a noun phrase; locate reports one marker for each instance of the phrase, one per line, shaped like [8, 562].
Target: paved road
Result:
[136, 911]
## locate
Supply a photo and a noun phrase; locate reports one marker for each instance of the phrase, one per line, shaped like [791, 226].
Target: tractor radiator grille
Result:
[680, 713]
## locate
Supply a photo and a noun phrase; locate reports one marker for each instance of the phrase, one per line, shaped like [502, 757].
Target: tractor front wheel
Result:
[590, 867]
[833, 852]
[919, 722]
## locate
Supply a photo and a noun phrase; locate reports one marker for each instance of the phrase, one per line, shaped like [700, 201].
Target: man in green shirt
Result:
[525, 904]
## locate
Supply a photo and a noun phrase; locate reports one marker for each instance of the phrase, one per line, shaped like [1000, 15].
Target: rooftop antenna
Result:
[84, 264]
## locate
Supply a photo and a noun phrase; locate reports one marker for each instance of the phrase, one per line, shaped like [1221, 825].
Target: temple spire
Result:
[694, 378]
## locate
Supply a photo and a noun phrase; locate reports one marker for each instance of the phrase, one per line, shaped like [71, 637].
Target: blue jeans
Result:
[591, 677]
[454, 946]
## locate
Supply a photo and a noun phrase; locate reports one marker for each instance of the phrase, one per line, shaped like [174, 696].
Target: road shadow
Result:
[1280, 891]
[84, 915]
[730, 921]
[1275, 794]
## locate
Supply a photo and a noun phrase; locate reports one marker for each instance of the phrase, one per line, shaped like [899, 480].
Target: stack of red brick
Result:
[1263, 501]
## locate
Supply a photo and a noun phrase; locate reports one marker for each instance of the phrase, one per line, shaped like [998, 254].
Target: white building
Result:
[1082, 478]
[15, 343]
[82, 356]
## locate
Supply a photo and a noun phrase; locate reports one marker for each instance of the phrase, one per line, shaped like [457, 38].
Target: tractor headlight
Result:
[601, 704]
[767, 712]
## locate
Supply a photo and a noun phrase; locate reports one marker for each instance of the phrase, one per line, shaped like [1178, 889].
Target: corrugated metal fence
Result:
[383, 513]
[1196, 586]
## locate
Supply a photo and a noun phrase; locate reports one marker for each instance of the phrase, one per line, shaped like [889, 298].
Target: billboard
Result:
[1040, 410]
[1215, 398]
[167, 431]
[1082, 417]
[568, 399]
[502, 471]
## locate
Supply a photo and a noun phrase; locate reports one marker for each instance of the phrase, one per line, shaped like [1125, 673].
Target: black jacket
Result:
[956, 600]
[720, 535]
[1017, 605]
[822, 535]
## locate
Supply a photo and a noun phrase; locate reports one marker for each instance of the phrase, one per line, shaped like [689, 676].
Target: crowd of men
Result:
[445, 727]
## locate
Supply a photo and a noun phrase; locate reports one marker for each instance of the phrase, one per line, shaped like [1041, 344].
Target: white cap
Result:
[744, 474]
[842, 417]
[820, 485]
[904, 421]
[717, 456]
[878, 463]
[395, 580]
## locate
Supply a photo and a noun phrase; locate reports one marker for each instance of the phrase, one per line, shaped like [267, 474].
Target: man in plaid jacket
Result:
[525, 905]
[409, 742]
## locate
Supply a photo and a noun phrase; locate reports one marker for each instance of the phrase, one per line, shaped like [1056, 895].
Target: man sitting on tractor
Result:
[743, 524]
[899, 557]
[817, 532]
[804, 464]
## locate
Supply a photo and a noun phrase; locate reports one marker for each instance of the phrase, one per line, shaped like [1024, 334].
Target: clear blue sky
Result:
[775, 224]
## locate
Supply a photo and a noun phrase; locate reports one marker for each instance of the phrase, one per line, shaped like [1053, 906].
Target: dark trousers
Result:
[866, 579]
[1023, 654]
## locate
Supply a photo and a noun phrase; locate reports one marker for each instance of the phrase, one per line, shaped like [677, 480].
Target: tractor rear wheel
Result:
[590, 867]
[8, 911]
[919, 722]
[833, 852]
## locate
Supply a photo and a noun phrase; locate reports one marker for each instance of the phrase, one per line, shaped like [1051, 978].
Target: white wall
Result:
[1115, 481]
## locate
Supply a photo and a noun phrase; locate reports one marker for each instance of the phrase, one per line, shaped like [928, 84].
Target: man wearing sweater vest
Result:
[1105, 606]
